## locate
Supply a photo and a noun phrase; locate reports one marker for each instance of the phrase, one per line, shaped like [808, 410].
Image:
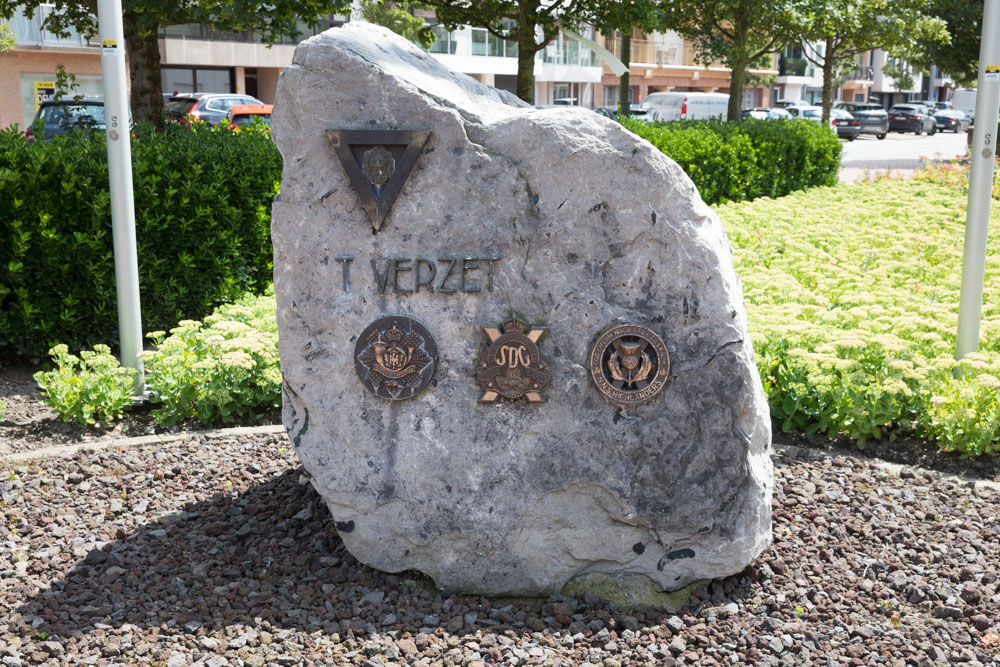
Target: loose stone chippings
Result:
[866, 566]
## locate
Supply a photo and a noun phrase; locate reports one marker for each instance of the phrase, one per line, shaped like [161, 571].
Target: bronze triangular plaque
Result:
[378, 162]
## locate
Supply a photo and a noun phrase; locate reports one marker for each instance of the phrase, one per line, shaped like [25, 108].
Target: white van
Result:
[685, 106]
[964, 99]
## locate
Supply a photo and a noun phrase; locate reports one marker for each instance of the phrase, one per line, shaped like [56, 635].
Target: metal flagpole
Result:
[984, 142]
[118, 132]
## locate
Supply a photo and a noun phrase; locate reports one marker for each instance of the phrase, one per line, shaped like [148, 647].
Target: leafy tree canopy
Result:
[834, 32]
[399, 17]
[741, 33]
[959, 56]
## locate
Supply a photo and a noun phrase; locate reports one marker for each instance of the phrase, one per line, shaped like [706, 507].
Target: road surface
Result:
[897, 152]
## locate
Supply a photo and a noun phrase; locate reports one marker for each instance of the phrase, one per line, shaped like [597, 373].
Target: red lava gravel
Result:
[216, 551]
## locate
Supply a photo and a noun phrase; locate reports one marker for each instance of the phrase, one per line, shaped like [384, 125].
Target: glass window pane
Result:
[213, 81]
[441, 44]
[177, 80]
[479, 42]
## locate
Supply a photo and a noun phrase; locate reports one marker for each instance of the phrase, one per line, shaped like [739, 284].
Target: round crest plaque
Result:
[629, 364]
[395, 357]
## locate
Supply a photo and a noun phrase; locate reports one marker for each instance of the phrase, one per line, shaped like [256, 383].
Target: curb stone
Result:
[165, 438]
[794, 451]
[137, 441]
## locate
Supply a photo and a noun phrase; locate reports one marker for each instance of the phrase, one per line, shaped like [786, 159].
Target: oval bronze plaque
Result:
[629, 364]
[395, 357]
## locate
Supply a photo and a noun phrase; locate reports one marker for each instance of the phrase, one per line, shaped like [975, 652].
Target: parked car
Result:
[209, 107]
[64, 116]
[766, 114]
[911, 118]
[848, 127]
[635, 111]
[784, 104]
[964, 100]
[683, 106]
[951, 119]
[244, 115]
[812, 113]
[872, 117]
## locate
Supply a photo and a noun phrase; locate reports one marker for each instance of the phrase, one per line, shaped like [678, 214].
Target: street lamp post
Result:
[118, 134]
[984, 144]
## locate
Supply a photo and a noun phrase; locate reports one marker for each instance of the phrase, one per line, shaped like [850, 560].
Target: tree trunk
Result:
[623, 81]
[738, 67]
[526, 50]
[143, 53]
[829, 57]
[737, 79]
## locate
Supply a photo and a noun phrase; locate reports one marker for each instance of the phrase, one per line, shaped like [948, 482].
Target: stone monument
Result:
[514, 348]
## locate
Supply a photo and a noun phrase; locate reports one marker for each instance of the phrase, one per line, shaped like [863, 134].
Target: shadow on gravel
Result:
[273, 554]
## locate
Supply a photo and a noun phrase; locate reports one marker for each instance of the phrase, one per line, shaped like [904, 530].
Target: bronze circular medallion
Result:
[629, 364]
[395, 357]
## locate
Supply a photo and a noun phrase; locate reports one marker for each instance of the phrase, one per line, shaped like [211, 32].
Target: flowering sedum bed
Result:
[224, 367]
[852, 293]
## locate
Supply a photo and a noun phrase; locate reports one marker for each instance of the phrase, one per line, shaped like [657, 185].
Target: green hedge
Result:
[202, 205]
[746, 160]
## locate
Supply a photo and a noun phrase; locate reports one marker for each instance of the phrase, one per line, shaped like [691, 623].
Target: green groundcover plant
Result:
[852, 295]
[746, 160]
[86, 389]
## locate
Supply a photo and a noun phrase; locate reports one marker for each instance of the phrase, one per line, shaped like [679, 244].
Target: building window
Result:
[445, 42]
[87, 85]
[197, 80]
[478, 42]
[611, 95]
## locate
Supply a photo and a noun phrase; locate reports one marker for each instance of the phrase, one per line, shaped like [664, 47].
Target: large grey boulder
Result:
[594, 227]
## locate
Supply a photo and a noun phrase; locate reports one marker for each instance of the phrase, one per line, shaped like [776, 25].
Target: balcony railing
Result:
[860, 74]
[201, 32]
[563, 51]
[29, 31]
[642, 50]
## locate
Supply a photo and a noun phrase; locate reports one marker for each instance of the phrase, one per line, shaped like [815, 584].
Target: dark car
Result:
[911, 118]
[209, 107]
[848, 127]
[872, 117]
[951, 119]
[63, 116]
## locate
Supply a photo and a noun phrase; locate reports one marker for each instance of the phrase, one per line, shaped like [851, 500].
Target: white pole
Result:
[116, 120]
[984, 142]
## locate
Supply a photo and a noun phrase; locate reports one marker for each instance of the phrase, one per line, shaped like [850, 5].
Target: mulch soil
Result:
[215, 550]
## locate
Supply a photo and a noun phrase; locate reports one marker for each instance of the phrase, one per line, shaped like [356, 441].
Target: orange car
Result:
[243, 115]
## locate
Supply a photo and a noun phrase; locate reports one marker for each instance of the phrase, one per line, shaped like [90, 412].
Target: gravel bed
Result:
[217, 551]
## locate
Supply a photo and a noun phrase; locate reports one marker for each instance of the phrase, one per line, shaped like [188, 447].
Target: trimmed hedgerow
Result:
[749, 159]
[202, 205]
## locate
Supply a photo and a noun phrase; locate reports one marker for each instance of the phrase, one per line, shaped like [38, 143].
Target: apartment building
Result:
[863, 81]
[197, 59]
[665, 62]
